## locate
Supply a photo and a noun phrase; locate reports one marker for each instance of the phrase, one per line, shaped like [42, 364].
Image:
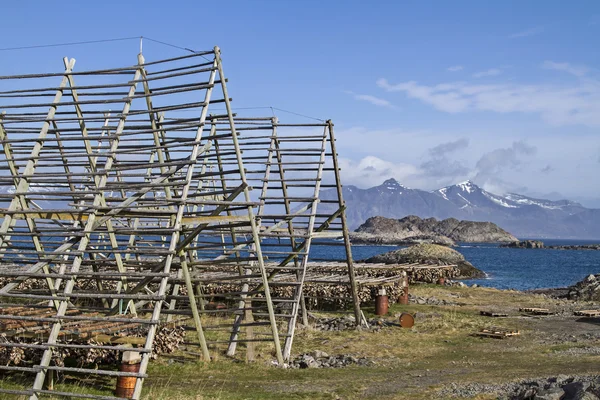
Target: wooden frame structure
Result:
[131, 216]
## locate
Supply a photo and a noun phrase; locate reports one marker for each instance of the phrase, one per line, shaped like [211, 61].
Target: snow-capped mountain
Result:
[523, 216]
[467, 194]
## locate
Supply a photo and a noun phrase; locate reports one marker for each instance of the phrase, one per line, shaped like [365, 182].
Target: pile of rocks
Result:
[335, 324]
[561, 387]
[320, 359]
[586, 290]
[347, 323]
[432, 301]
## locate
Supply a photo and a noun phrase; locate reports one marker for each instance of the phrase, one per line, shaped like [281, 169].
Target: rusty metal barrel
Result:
[381, 303]
[407, 320]
[126, 384]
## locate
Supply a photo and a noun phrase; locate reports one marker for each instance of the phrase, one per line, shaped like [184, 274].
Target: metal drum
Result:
[407, 320]
[126, 384]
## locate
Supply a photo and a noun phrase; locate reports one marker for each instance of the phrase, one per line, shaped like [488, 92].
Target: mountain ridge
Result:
[523, 216]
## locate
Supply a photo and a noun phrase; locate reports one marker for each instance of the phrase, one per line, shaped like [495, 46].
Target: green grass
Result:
[408, 363]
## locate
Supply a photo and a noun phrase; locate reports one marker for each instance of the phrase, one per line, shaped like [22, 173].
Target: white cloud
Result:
[527, 32]
[371, 171]
[511, 154]
[489, 72]
[455, 68]
[576, 70]
[376, 101]
[443, 97]
[557, 104]
[504, 158]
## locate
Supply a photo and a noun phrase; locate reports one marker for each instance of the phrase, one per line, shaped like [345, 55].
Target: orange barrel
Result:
[407, 320]
[381, 303]
[126, 384]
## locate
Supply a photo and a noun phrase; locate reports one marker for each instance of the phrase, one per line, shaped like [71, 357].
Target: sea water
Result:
[506, 268]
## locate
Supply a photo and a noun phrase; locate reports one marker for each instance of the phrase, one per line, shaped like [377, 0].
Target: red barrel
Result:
[381, 305]
[126, 384]
[441, 280]
[403, 298]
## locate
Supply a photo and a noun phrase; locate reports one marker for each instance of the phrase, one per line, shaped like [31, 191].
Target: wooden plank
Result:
[497, 332]
[587, 313]
[492, 314]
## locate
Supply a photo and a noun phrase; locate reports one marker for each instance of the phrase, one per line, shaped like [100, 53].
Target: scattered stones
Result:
[432, 301]
[580, 351]
[560, 387]
[335, 324]
[562, 338]
[320, 359]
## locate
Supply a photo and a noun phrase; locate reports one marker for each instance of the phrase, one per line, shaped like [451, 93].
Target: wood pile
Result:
[326, 285]
[167, 340]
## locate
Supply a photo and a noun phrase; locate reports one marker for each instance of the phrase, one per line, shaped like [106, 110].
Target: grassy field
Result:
[406, 363]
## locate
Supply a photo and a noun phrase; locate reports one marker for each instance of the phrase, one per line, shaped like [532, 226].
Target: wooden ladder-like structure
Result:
[137, 216]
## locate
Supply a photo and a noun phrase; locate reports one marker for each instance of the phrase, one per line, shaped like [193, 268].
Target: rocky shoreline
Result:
[587, 289]
[576, 247]
[538, 244]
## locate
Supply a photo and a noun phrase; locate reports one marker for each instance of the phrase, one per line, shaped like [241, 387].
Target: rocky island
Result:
[431, 254]
[538, 244]
[412, 230]
[525, 244]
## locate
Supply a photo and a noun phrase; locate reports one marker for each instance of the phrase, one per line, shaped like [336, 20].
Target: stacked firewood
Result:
[167, 340]
[336, 295]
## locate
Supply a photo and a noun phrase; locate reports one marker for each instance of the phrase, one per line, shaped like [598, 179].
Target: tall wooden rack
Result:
[117, 209]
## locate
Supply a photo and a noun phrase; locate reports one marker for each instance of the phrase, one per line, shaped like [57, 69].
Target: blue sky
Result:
[431, 93]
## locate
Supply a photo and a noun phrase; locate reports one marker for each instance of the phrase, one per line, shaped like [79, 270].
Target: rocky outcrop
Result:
[525, 244]
[472, 231]
[586, 290]
[576, 247]
[412, 229]
[430, 254]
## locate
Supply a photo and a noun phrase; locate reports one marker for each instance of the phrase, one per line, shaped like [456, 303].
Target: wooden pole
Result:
[345, 232]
